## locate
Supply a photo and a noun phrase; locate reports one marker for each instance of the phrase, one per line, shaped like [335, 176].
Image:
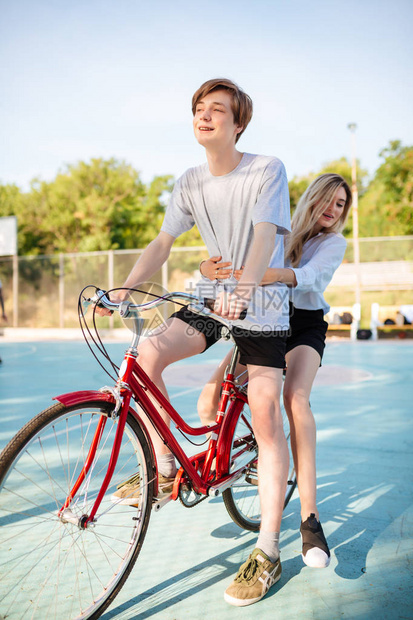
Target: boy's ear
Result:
[239, 128]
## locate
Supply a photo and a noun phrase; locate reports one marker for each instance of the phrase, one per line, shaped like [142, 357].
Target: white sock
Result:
[167, 465]
[269, 542]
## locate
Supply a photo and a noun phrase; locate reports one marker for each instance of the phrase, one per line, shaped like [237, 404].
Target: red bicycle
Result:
[66, 547]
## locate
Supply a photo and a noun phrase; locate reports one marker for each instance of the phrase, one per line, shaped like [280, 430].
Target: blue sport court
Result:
[362, 402]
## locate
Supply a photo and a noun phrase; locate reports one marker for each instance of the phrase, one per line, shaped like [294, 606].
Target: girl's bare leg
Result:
[303, 363]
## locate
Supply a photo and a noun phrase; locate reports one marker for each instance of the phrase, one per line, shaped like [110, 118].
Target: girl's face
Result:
[334, 210]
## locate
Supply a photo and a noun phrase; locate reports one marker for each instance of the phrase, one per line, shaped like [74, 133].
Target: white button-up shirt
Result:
[322, 255]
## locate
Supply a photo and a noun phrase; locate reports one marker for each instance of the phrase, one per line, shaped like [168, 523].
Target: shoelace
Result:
[135, 479]
[248, 572]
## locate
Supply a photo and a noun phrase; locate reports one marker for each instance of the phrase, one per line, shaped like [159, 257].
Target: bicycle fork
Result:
[123, 391]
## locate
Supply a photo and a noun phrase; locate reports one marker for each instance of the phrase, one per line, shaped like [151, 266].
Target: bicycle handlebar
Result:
[128, 309]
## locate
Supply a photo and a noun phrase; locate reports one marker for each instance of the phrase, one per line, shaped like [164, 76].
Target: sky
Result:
[115, 78]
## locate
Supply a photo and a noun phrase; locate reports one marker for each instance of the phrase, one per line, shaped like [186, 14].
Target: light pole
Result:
[356, 248]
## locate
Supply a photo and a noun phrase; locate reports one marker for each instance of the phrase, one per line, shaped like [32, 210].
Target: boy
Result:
[240, 204]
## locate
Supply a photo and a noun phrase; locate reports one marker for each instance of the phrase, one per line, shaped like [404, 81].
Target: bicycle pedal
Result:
[252, 480]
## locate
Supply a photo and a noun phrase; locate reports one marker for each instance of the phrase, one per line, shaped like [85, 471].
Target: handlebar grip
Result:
[210, 303]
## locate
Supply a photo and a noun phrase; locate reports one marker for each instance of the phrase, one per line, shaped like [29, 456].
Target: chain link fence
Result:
[42, 291]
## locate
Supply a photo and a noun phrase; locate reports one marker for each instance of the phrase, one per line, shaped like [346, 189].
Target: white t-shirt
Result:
[322, 255]
[225, 209]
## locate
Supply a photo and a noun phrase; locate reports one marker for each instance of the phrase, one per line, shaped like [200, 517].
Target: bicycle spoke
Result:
[51, 570]
[28, 500]
[54, 568]
[47, 471]
[29, 570]
[38, 486]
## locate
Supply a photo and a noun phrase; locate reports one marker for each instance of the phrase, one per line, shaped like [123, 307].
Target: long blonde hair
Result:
[312, 204]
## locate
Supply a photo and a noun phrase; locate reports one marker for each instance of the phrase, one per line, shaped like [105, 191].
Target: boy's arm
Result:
[151, 259]
[257, 262]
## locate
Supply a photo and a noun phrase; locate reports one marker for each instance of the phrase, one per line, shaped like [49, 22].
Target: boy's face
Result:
[214, 120]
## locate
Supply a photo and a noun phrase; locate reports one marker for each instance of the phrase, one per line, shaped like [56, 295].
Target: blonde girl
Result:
[313, 251]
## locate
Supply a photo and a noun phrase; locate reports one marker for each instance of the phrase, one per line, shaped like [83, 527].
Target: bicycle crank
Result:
[188, 497]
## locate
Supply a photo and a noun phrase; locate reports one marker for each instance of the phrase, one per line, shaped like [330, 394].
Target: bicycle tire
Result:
[56, 569]
[242, 498]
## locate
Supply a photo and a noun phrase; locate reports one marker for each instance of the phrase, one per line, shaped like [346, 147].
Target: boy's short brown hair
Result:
[241, 102]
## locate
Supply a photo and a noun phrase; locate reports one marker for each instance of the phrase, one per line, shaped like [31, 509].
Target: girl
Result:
[314, 250]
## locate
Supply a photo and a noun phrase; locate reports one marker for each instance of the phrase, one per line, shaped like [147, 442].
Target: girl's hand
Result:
[238, 273]
[213, 269]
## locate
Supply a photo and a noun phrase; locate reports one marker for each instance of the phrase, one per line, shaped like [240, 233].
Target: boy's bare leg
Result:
[264, 390]
[163, 348]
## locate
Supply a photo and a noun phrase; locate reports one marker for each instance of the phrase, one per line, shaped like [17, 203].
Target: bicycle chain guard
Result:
[187, 496]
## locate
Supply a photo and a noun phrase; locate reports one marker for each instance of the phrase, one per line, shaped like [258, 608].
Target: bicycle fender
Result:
[73, 398]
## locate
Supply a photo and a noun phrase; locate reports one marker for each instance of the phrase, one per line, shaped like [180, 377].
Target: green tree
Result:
[387, 206]
[99, 205]
[341, 166]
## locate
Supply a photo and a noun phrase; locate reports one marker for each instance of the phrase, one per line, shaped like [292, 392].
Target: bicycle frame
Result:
[133, 381]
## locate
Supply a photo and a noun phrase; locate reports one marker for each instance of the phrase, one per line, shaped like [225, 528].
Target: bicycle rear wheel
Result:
[242, 499]
[51, 568]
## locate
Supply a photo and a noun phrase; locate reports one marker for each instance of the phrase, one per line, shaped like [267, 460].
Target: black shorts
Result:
[258, 348]
[307, 327]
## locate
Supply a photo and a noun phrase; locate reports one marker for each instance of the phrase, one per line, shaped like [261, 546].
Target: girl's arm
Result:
[209, 267]
[315, 275]
[318, 271]
[284, 275]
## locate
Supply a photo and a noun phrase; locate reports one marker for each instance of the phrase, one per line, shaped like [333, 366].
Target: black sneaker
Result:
[315, 548]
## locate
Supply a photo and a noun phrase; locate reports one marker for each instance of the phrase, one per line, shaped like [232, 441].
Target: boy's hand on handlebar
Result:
[115, 296]
[230, 306]
[213, 269]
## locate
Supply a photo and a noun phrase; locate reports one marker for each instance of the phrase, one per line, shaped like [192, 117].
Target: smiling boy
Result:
[240, 205]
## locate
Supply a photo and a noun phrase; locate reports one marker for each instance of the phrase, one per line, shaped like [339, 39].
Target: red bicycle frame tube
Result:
[227, 433]
[141, 387]
[227, 386]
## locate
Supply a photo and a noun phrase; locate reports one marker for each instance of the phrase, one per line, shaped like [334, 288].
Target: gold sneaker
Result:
[255, 577]
[129, 491]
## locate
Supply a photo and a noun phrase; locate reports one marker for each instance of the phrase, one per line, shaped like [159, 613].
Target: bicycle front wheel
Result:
[53, 568]
[242, 499]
